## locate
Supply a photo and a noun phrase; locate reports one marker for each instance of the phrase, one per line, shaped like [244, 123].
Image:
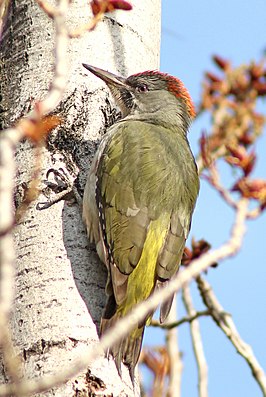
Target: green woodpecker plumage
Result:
[140, 195]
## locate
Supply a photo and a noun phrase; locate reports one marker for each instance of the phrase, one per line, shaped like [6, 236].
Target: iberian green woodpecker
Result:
[140, 195]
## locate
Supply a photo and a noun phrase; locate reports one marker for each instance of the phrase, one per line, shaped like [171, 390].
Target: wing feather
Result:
[135, 181]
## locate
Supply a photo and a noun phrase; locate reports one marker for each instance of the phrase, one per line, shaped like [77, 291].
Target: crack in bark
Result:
[42, 346]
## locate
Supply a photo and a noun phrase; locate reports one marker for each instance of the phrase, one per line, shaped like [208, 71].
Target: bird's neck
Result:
[167, 111]
[172, 121]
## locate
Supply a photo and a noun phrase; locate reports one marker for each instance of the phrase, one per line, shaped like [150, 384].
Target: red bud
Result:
[221, 62]
[198, 248]
[205, 150]
[256, 71]
[252, 189]
[121, 5]
[102, 6]
[241, 158]
[260, 87]
[212, 77]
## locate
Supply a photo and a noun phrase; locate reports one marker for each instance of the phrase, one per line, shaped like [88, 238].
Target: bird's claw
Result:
[61, 185]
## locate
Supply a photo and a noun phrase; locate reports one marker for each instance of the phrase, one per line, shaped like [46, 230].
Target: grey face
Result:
[150, 96]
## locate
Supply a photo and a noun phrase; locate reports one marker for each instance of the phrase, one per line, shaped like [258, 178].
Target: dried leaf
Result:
[38, 130]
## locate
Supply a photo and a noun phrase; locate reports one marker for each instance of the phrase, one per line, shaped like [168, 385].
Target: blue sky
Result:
[191, 33]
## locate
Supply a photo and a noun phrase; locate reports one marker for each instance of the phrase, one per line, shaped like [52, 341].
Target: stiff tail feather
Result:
[127, 350]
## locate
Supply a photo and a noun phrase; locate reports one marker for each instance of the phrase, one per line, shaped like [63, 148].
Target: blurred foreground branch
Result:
[123, 326]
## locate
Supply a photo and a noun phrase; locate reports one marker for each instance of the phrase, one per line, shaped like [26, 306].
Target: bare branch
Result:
[127, 323]
[47, 8]
[188, 319]
[175, 362]
[88, 27]
[197, 344]
[214, 179]
[226, 323]
[255, 213]
[99, 9]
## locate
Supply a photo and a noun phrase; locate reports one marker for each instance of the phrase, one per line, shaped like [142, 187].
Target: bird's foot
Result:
[61, 184]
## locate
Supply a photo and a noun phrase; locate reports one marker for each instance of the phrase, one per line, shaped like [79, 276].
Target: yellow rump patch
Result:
[141, 280]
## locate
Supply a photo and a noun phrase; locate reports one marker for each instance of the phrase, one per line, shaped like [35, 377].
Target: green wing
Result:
[146, 180]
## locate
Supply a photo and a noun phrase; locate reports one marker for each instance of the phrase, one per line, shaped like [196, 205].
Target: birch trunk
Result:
[60, 282]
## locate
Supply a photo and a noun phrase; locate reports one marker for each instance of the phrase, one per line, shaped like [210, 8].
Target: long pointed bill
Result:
[108, 77]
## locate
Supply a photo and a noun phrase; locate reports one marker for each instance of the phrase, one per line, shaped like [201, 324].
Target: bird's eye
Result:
[142, 88]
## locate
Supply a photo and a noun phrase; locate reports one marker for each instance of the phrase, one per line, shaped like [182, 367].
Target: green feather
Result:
[147, 188]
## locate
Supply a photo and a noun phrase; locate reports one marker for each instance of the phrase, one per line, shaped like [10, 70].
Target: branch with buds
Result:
[123, 326]
[98, 9]
[231, 99]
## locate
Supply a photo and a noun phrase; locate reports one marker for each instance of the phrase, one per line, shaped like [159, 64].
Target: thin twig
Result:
[47, 8]
[128, 322]
[53, 12]
[214, 179]
[226, 323]
[197, 344]
[255, 213]
[219, 153]
[88, 27]
[188, 319]
[175, 362]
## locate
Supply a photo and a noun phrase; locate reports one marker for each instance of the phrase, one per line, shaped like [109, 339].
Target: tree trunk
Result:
[60, 282]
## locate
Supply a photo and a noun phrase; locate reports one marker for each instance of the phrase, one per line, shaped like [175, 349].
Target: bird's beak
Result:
[118, 86]
[107, 77]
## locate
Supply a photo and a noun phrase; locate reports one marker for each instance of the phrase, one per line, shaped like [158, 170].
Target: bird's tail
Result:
[127, 350]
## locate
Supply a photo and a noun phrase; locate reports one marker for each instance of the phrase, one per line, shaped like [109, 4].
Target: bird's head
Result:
[151, 96]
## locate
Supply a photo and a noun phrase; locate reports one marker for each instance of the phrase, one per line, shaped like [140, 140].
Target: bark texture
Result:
[59, 280]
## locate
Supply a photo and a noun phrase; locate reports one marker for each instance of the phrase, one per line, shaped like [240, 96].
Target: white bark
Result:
[59, 280]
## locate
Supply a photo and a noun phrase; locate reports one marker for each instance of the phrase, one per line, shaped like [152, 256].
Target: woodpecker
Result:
[139, 197]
